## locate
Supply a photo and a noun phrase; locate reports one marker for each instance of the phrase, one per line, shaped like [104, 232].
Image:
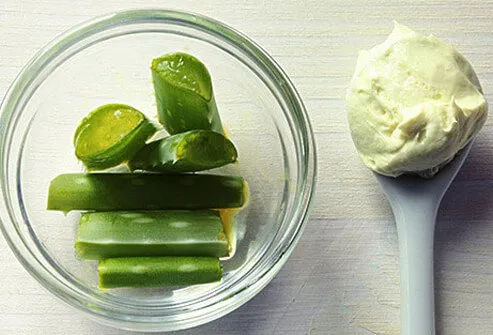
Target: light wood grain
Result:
[343, 276]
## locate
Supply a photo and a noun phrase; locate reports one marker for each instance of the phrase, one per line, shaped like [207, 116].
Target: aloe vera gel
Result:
[110, 135]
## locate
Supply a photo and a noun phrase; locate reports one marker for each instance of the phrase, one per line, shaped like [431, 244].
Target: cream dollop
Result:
[413, 103]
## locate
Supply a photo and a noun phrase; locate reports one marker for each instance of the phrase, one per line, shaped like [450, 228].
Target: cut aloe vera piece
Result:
[194, 150]
[151, 233]
[142, 191]
[110, 135]
[158, 271]
[184, 95]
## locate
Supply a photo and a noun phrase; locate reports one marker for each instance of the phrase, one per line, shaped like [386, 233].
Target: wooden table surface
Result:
[343, 276]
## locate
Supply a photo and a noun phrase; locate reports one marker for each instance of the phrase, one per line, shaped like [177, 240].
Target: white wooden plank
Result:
[343, 276]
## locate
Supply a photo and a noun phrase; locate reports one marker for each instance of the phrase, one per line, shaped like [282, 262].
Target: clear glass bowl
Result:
[107, 60]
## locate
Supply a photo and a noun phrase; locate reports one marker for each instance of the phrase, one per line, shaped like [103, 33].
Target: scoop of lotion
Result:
[414, 102]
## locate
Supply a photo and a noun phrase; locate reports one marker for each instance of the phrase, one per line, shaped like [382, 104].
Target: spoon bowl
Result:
[415, 202]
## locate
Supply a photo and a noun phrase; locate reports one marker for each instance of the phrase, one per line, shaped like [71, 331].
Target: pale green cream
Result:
[413, 103]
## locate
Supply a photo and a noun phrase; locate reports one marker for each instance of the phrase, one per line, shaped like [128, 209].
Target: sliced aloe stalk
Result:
[142, 191]
[194, 150]
[158, 271]
[184, 95]
[110, 135]
[151, 233]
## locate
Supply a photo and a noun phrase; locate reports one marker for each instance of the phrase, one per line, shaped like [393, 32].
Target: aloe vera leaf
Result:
[194, 150]
[151, 233]
[142, 191]
[158, 271]
[184, 94]
[110, 135]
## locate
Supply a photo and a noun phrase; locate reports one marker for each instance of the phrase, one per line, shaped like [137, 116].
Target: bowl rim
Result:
[305, 192]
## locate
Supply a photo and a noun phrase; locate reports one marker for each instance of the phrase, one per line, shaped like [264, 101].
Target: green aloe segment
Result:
[142, 191]
[184, 95]
[110, 135]
[158, 271]
[194, 150]
[151, 233]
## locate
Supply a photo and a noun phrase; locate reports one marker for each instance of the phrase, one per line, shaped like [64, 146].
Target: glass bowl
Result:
[107, 60]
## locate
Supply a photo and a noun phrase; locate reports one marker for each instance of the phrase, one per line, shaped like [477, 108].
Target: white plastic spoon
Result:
[415, 202]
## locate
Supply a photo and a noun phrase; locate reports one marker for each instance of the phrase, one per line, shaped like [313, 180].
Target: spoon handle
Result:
[415, 227]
